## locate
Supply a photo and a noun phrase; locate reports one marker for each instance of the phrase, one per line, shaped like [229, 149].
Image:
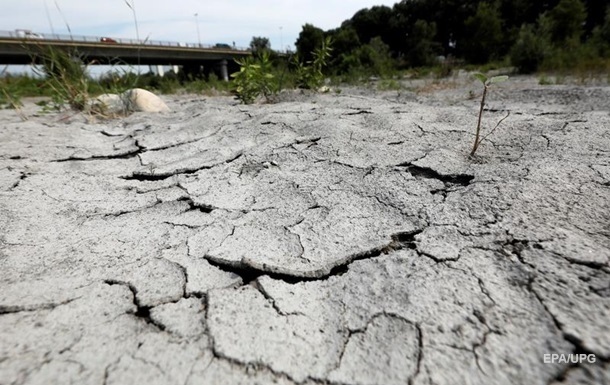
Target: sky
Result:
[224, 21]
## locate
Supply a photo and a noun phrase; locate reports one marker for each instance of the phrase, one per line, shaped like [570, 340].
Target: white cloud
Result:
[219, 21]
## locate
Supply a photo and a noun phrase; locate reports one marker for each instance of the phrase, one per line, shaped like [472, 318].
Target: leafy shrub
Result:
[254, 78]
[310, 75]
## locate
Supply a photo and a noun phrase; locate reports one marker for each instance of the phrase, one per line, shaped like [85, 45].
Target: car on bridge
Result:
[108, 40]
[223, 46]
[27, 34]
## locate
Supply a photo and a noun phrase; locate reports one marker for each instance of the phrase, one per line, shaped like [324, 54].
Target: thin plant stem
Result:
[476, 139]
[64, 18]
[493, 129]
[15, 104]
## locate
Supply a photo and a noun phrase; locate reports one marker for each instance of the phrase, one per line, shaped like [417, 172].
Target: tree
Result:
[309, 39]
[596, 13]
[375, 57]
[259, 44]
[345, 40]
[601, 36]
[566, 21]
[484, 34]
[423, 48]
[604, 29]
[529, 50]
[370, 23]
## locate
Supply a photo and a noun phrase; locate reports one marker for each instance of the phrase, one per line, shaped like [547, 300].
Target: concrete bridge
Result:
[24, 47]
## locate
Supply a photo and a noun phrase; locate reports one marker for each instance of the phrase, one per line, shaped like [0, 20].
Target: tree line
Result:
[531, 35]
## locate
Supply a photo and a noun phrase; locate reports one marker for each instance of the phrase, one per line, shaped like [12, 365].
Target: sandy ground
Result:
[342, 238]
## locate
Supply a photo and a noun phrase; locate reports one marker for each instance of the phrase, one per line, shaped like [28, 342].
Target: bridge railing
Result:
[26, 34]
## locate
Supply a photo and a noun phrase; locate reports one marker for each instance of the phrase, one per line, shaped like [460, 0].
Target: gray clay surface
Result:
[325, 239]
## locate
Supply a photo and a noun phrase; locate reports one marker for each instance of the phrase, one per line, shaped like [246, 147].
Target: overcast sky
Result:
[220, 21]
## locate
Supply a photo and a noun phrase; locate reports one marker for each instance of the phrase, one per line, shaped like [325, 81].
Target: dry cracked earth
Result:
[326, 239]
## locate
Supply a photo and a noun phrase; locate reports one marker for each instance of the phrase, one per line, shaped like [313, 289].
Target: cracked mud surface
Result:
[327, 239]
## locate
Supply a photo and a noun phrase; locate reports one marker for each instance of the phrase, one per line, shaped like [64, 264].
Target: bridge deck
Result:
[24, 50]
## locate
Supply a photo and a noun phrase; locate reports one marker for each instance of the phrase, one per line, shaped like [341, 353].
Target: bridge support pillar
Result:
[224, 72]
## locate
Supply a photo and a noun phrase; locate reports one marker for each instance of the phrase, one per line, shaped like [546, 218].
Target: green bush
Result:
[254, 78]
[484, 34]
[529, 51]
[310, 75]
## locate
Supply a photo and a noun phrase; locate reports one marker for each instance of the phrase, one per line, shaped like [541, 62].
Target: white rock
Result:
[108, 104]
[138, 99]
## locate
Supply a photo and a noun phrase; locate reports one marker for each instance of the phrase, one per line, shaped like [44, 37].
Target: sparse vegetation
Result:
[11, 101]
[254, 78]
[487, 82]
[256, 74]
[559, 39]
[66, 76]
[310, 75]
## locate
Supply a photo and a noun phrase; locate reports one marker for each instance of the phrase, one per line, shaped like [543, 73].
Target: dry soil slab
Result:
[326, 239]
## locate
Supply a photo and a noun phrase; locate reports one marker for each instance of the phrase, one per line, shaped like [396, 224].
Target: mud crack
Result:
[151, 175]
[142, 312]
[120, 155]
[10, 309]
[427, 173]
[248, 273]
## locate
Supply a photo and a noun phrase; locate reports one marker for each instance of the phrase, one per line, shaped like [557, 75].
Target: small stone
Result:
[138, 99]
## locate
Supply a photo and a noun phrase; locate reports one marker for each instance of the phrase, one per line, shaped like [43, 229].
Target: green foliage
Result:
[310, 39]
[604, 29]
[213, 85]
[254, 78]
[310, 75]
[9, 96]
[566, 21]
[529, 51]
[389, 85]
[545, 81]
[484, 34]
[372, 59]
[15, 87]
[487, 82]
[600, 38]
[66, 76]
[345, 41]
[376, 57]
[423, 47]
[370, 23]
[9, 100]
[471, 31]
[259, 44]
[120, 79]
